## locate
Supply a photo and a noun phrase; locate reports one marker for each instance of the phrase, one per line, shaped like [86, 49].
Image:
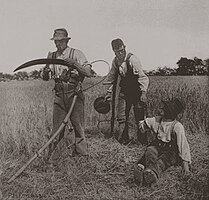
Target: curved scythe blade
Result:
[43, 61]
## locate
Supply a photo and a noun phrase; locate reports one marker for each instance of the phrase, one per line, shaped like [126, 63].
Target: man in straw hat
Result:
[67, 82]
[170, 147]
[131, 85]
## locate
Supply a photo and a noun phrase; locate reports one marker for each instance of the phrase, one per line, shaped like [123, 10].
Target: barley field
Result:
[26, 120]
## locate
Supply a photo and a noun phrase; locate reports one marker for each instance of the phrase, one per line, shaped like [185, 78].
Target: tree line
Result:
[195, 66]
[21, 75]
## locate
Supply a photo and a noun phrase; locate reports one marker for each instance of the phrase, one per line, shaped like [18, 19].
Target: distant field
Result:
[26, 117]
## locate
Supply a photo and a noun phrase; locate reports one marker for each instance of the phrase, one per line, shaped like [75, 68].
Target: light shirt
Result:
[163, 131]
[74, 54]
[123, 69]
[143, 80]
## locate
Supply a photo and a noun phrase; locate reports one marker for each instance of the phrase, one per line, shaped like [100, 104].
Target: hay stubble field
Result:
[26, 119]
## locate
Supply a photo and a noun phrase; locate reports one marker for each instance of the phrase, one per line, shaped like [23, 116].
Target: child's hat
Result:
[174, 106]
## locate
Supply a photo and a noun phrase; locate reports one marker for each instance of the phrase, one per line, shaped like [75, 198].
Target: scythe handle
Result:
[47, 144]
[114, 88]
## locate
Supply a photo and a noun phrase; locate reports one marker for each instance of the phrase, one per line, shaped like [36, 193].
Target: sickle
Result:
[43, 61]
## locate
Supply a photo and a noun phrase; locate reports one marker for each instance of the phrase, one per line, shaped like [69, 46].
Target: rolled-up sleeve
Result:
[80, 57]
[112, 76]
[85, 67]
[183, 145]
[149, 123]
[143, 80]
[113, 73]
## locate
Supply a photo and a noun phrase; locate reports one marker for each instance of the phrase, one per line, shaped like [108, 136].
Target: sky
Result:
[158, 32]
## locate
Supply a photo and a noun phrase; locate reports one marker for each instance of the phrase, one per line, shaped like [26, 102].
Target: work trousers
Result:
[138, 108]
[121, 107]
[62, 104]
[158, 160]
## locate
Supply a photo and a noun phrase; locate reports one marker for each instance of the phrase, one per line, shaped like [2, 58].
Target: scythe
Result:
[42, 61]
[64, 123]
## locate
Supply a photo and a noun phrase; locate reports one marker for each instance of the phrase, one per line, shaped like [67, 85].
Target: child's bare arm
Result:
[185, 168]
[142, 126]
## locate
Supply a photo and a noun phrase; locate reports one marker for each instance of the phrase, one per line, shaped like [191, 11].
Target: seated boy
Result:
[170, 147]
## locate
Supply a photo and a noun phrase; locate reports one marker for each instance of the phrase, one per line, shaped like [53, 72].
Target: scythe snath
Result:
[65, 121]
[62, 126]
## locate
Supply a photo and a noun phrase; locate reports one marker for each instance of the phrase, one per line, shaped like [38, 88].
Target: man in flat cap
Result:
[67, 82]
[130, 86]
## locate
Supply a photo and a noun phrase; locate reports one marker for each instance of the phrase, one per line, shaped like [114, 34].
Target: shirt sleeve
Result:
[147, 123]
[113, 72]
[84, 66]
[183, 145]
[143, 80]
[50, 55]
[80, 58]
[150, 122]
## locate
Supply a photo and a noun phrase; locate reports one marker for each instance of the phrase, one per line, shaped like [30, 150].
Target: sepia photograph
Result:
[104, 99]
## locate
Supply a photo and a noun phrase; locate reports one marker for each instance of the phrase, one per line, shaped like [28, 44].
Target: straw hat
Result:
[60, 34]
